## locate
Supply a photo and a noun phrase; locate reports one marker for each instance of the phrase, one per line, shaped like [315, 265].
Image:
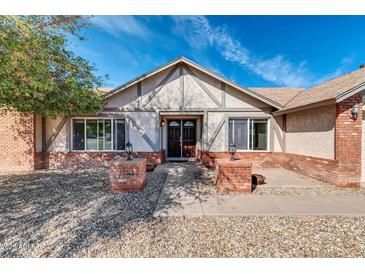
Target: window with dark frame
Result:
[98, 134]
[248, 134]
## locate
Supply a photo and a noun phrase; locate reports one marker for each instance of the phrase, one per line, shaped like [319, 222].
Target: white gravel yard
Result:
[68, 213]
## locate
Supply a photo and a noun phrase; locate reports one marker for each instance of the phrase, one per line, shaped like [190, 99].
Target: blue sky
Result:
[254, 51]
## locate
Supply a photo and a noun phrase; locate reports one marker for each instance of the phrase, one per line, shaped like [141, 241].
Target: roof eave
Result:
[305, 107]
[350, 92]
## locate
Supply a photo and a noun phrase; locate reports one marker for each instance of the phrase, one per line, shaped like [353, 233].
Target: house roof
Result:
[282, 95]
[332, 91]
[283, 98]
[186, 61]
[103, 91]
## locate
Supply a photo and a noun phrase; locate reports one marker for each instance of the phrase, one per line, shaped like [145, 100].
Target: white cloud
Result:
[117, 25]
[199, 33]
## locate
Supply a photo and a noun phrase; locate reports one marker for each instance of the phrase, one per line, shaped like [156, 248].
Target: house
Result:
[182, 110]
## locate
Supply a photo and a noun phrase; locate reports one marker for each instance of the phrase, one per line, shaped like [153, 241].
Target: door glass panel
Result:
[188, 124]
[174, 124]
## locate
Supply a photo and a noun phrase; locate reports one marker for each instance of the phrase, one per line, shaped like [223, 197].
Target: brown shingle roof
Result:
[331, 89]
[281, 95]
[103, 91]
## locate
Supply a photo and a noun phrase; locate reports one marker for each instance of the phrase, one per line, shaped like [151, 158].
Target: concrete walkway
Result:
[180, 197]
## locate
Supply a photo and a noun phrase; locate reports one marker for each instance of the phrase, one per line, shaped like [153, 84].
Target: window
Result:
[98, 134]
[119, 134]
[78, 134]
[248, 134]
[238, 133]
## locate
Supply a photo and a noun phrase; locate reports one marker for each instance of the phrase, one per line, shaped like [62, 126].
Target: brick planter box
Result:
[127, 175]
[233, 176]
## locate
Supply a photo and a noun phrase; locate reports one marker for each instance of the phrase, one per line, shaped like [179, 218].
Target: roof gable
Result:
[187, 62]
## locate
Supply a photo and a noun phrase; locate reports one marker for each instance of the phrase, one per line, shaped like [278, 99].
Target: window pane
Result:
[101, 134]
[238, 133]
[260, 135]
[108, 135]
[119, 134]
[91, 135]
[78, 134]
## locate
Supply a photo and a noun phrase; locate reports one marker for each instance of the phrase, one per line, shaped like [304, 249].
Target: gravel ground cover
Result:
[59, 213]
[71, 214]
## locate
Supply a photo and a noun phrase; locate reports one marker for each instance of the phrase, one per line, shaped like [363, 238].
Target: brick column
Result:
[348, 142]
[127, 175]
[234, 176]
[17, 141]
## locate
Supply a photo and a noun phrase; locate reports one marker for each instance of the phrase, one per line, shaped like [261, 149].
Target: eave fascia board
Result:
[350, 92]
[305, 107]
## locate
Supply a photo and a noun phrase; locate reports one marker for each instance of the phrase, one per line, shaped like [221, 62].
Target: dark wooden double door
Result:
[181, 145]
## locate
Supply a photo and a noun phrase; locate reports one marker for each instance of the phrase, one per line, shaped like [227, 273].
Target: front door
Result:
[181, 145]
[189, 138]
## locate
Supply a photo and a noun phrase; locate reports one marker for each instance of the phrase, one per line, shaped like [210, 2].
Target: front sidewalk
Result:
[180, 196]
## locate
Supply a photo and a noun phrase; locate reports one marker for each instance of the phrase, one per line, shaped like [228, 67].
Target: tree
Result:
[37, 71]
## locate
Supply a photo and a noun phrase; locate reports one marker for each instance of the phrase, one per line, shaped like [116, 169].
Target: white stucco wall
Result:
[168, 99]
[220, 141]
[312, 132]
[61, 142]
[127, 99]
[278, 133]
[237, 99]
[147, 123]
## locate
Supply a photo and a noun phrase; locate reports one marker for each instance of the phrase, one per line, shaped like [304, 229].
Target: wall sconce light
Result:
[355, 111]
[162, 123]
[232, 150]
[129, 150]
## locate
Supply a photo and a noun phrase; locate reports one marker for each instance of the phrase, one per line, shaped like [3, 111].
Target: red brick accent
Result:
[325, 170]
[348, 142]
[56, 160]
[127, 175]
[234, 176]
[17, 141]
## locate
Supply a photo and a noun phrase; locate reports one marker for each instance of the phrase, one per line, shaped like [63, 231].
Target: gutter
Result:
[305, 107]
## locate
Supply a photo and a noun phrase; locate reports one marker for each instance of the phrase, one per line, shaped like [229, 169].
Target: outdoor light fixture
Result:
[355, 111]
[232, 150]
[162, 123]
[129, 150]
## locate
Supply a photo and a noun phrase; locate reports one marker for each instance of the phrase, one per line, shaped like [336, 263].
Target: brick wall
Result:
[325, 170]
[127, 175]
[17, 141]
[348, 141]
[234, 176]
[55, 160]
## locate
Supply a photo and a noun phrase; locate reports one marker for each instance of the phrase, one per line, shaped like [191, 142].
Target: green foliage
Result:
[37, 71]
